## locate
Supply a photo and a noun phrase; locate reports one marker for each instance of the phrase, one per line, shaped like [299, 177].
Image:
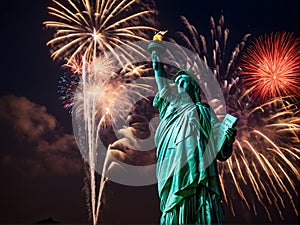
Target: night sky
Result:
[41, 170]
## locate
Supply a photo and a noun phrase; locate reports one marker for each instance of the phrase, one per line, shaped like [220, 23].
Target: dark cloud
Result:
[42, 145]
[29, 120]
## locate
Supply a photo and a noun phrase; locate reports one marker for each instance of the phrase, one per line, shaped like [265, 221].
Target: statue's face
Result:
[184, 84]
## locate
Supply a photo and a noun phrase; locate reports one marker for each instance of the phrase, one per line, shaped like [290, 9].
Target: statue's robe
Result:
[188, 183]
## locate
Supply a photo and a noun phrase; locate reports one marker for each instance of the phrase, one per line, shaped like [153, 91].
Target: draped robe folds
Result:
[186, 164]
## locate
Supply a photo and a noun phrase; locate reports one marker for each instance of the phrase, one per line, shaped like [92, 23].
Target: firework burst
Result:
[270, 66]
[87, 28]
[265, 158]
[67, 86]
[105, 91]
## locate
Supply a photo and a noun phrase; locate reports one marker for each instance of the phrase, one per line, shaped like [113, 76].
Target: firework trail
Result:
[96, 105]
[87, 28]
[270, 66]
[267, 145]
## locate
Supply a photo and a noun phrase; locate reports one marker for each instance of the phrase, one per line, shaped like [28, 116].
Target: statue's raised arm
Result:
[159, 72]
[157, 47]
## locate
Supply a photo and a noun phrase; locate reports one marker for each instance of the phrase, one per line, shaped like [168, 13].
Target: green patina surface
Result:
[188, 182]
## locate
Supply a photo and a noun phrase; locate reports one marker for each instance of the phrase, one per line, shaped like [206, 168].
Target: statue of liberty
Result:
[188, 184]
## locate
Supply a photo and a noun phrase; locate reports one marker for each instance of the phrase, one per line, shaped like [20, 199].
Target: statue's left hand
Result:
[230, 135]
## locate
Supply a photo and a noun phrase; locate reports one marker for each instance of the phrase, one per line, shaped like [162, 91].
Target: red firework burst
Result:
[270, 67]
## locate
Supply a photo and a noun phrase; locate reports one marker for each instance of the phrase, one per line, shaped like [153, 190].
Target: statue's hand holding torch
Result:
[157, 47]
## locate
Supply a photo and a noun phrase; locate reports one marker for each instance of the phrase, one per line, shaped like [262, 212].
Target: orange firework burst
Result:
[271, 66]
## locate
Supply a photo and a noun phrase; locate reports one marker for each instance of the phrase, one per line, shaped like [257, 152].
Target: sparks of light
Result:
[95, 99]
[67, 86]
[104, 83]
[87, 27]
[270, 67]
[268, 138]
[75, 65]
